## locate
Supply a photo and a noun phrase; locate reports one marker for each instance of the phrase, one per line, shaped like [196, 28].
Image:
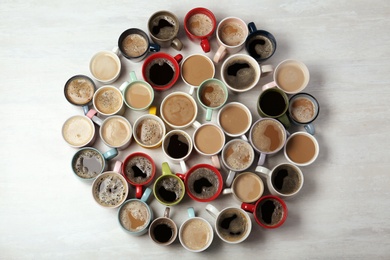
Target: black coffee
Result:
[138, 169]
[260, 47]
[232, 225]
[167, 195]
[162, 233]
[286, 180]
[270, 212]
[176, 148]
[169, 189]
[239, 74]
[203, 183]
[272, 103]
[161, 72]
[161, 24]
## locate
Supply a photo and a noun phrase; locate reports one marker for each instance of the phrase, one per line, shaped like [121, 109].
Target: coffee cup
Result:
[232, 225]
[260, 44]
[163, 29]
[246, 187]
[195, 234]
[284, 180]
[231, 35]
[135, 215]
[168, 189]
[179, 110]
[79, 131]
[163, 230]
[135, 45]
[200, 25]
[209, 140]
[273, 103]
[137, 94]
[267, 136]
[110, 189]
[241, 72]
[301, 149]
[235, 119]
[161, 70]
[149, 130]
[177, 147]
[212, 94]
[115, 131]
[237, 156]
[105, 66]
[195, 69]
[139, 170]
[291, 76]
[79, 91]
[203, 182]
[303, 110]
[88, 162]
[269, 211]
[108, 101]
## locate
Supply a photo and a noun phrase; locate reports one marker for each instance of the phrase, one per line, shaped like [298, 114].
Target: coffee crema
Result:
[169, 189]
[200, 24]
[138, 96]
[212, 95]
[234, 119]
[300, 148]
[268, 135]
[232, 225]
[195, 234]
[178, 110]
[290, 77]
[261, 47]
[138, 169]
[79, 90]
[78, 130]
[134, 216]
[110, 190]
[108, 101]
[209, 139]
[134, 45]
[115, 131]
[104, 66]
[196, 69]
[203, 183]
[88, 163]
[286, 179]
[238, 155]
[163, 27]
[149, 131]
[231, 33]
[239, 73]
[302, 110]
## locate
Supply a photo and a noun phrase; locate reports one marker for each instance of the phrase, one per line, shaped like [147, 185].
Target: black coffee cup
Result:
[260, 44]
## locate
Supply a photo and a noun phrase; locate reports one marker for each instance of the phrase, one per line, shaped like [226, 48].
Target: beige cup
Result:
[163, 230]
[108, 101]
[115, 132]
[79, 131]
[235, 119]
[246, 187]
[149, 130]
[105, 66]
[231, 35]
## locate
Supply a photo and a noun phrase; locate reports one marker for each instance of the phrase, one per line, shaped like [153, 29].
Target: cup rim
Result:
[245, 27]
[146, 85]
[145, 116]
[304, 69]
[70, 80]
[153, 223]
[149, 220]
[210, 229]
[200, 10]
[102, 88]
[316, 145]
[250, 59]
[255, 176]
[249, 114]
[250, 150]
[128, 139]
[172, 15]
[115, 57]
[141, 154]
[317, 105]
[186, 59]
[90, 140]
[221, 83]
[284, 206]
[127, 32]
[88, 148]
[124, 182]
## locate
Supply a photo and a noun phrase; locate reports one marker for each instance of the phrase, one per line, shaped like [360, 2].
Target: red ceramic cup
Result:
[161, 70]
[203, 182]
[269, 211]
[200, 25]
[138, 169]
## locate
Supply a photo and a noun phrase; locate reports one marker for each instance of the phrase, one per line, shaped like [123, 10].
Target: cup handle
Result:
[191, 212]
[117, 166]
[116, 50]
[138, 191]
[196, 124]
[85, 109]
[220, 54]
[209, 114]
[261, 159]
[310, 128]
[165, 168]
[181, 176]
[215, 161]
[123, 86]
[166, 212]
[230, 178]
[263, 171]
[146, 194]
[284, 120]
[244, 138]
[110, 154]
[205, 44]
[183, 166]
[178, 58]
[252, 27]
[269, 85]
[177, 44]
[248, 207]
[227, 191]
[265, 69]
[213, 211]
[133, 77]
[154, 47]
[153, 110]
[191, 90]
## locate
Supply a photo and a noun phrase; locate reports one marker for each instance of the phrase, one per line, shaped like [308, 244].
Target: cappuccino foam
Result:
[195, 234]
[134, 45]
[108, 101]
[80, 90]
[149, 131]
[78, 130]
[238, 155]
[104, 66]
[302, 110]
[212, 95]
[200, 24]
[134, 216]
[268, 136]
[178, 110]
[232, 33]
[116, 131]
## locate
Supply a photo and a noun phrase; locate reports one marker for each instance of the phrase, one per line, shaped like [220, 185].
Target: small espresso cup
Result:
[79, 131]
[161, 70]
[291, 76]
[108, 101]
[115, 132]
[303, 110]
[88, 162]
[163, 29]
[273, 103]
[135, 215]
[301, 149]
[134, 44]
[284, 180]
[177, 147]
[139, 170]
[105, 66]
[79, 91]
[200, 25]
[195, 234]
[203, 182]
[231, 35]
[267, 136]
[137, 94]
[260, 44]
[269, 211]
[212, 94]
[110, 189]
[232, 225]
[149, 130]
[168, 189]
[179, 110]
[246, 187]
[241, 72]
[235, 119]
[163, 230]
[209, 140]
[195, 69]
[237, 156]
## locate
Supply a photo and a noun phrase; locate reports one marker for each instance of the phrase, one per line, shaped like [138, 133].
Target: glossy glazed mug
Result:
[163, 230]
[260, 44]
[212, 94]
[301, 149]
[108, 101]
[115, 131]
[177, 147]
[246, 187]
[235, 119]
[137, 94]
[79, 91]
[303, 110]
[105, 66]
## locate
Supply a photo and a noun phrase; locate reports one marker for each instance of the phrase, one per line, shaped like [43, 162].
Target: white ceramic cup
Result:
[115, 131]
[108, 101]
[105, 66]
[246, 187]
[172, 147]
[235, 119]
[301, 149]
